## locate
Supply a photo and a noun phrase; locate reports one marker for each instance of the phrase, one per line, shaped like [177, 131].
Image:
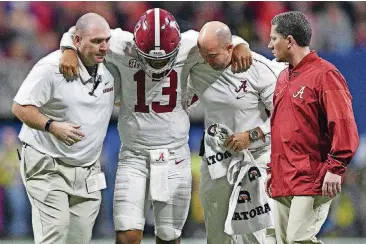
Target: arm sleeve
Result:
[336, 102]
[37, 88]
[67, 41]
[121, 42]
[238, 40]
[267, 77]
[188, 51]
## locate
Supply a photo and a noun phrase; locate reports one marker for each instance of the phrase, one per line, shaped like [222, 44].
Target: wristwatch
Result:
[253, 135]
[48, 124]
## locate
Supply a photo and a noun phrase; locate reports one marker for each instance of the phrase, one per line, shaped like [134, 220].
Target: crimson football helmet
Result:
[157, 42]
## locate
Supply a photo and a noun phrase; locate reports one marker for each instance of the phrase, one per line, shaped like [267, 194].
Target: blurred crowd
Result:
[30, 30]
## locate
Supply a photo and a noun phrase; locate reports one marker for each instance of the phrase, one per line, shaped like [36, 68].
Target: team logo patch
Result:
[242, 88]
[133, 63]
[244, 196]
[300, 93]
[161, 157]
[137, 27]
[254, 173]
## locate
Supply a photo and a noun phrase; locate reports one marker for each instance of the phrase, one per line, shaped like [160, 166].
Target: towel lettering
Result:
[252, 213]
[218, 157]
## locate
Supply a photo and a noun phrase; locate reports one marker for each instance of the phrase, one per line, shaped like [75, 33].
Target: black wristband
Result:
[48, 124]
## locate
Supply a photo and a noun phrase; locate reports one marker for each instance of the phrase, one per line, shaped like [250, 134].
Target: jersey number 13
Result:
[170, 91]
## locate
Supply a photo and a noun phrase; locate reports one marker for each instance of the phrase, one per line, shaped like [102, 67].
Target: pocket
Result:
[37, 163]
[302, 165]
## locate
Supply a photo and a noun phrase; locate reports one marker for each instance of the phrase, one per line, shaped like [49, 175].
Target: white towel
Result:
[217, 156]
[159, 188]
[249, 206]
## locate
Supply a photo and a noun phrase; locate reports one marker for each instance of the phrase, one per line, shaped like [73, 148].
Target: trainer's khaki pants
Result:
[298, 219]
[62, 210]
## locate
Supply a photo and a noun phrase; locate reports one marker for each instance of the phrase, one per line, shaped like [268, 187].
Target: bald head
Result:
[214, 32]
[92, 34]
[89, 22]
[215, 46]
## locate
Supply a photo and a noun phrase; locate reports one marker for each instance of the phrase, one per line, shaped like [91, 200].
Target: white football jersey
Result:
[152, 112]
[238, 101]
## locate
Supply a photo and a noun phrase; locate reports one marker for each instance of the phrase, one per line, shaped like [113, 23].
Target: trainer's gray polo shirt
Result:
[46, 88]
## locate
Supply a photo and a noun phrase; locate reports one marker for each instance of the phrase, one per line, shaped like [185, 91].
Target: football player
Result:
[154, 163]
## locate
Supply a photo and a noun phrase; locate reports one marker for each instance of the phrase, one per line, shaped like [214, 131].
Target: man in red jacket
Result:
[314, 134]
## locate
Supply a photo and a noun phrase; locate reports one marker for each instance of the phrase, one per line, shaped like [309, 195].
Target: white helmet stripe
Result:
[157, 28]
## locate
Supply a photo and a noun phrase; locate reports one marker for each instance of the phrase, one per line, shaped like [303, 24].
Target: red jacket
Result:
[313, 128]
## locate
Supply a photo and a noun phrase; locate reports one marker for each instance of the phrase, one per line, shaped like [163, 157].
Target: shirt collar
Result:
[307, 59]
[84, 74]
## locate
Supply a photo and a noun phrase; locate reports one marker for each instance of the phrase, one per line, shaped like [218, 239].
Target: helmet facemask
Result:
[157, 42]
[157, 64]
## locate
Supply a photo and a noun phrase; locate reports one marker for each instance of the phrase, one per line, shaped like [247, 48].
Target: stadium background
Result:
[30, 30]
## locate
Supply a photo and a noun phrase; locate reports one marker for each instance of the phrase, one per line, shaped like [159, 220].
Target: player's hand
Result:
[66, 132]
[238, 141]
[69, 64]
[241, 59]
[331, 184]
[267, 185]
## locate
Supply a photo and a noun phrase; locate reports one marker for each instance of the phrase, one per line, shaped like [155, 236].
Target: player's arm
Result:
[35, 92]
[69, 60]
[242, 57]
[120, 43]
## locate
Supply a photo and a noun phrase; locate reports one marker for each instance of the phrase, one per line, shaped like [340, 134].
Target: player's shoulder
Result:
[121, 42]
[190, 35]
[188, 43]
[121, 35]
